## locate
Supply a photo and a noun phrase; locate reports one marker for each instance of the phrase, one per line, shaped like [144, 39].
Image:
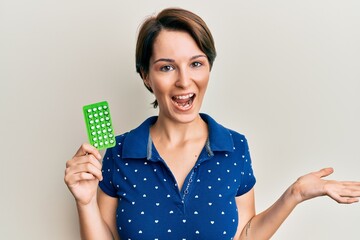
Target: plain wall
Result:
[287, 76]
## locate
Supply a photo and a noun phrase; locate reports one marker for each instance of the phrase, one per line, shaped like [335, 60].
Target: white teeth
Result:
[190, 95]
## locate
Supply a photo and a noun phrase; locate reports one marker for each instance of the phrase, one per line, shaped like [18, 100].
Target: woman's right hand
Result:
[83, 173]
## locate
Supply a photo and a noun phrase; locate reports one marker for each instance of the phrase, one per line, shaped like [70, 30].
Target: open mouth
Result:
[184, 101]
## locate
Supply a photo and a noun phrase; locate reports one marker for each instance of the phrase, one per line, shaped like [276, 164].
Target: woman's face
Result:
[178, 75]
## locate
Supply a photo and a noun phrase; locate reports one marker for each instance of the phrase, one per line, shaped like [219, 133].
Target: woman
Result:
[181, 175]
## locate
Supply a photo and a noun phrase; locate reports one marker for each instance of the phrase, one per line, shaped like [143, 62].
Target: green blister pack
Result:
[99, 125]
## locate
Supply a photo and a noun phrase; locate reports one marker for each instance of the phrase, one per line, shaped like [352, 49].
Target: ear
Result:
[145, 78]
[146, 82]
[143, 74]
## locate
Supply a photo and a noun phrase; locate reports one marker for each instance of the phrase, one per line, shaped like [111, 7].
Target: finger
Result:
[342, 199]
[350, 192]
[347, 200]
[86, 168]
[76, 178]
[352, 184]
[84, 176]
[342, 193]
[352, 200]
[73, 179]
[85, 149]
[324, 172]
[84, 159]
[345, 188]
[89, 168]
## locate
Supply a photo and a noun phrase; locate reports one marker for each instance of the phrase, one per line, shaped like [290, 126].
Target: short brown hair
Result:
[171, 19]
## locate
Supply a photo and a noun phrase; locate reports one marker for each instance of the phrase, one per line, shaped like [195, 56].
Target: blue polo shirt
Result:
[150, 204]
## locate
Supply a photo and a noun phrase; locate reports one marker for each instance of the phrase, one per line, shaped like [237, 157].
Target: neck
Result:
[174, 133]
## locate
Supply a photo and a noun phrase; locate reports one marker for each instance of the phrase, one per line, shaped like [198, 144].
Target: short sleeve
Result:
[248, 179]
[106, 185]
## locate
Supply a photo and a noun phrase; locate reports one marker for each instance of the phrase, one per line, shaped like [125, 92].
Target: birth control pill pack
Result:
[99, 126]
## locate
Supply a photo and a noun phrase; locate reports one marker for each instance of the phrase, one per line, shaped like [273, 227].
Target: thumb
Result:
[324, 172]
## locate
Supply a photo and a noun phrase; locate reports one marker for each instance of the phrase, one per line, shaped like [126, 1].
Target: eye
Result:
[196, 64]
[167, 68]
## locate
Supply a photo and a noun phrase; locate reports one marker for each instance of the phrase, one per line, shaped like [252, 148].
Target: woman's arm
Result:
[265, 224]
[95, 222]
[82, 176]
[246, 210]
[107, 206]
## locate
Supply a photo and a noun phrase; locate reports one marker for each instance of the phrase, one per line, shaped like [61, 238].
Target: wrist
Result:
[294, 193]
[88, 204]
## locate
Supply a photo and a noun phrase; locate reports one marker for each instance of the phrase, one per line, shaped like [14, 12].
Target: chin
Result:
[181, 114]
[186, 117]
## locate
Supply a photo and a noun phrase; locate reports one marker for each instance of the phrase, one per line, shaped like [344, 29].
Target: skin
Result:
[179, 69]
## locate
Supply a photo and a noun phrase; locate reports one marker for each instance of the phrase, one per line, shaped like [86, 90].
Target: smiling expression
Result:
[178, 75]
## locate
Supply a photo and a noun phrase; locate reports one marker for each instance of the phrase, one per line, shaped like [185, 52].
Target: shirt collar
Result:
[220, 138]
[137, 143]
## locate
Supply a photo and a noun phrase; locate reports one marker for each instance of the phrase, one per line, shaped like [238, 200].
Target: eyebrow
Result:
[172, 60]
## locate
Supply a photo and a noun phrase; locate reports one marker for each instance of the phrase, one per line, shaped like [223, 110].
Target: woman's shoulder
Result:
[120, 138]
[142, 130]
[237, 135]
[220, 128]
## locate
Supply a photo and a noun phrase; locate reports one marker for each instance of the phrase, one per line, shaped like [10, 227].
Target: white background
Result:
[287, 76]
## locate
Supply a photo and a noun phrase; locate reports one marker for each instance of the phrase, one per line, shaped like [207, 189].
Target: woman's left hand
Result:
[313, 185]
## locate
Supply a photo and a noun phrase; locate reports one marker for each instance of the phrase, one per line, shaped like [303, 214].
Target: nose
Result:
[183, 78]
